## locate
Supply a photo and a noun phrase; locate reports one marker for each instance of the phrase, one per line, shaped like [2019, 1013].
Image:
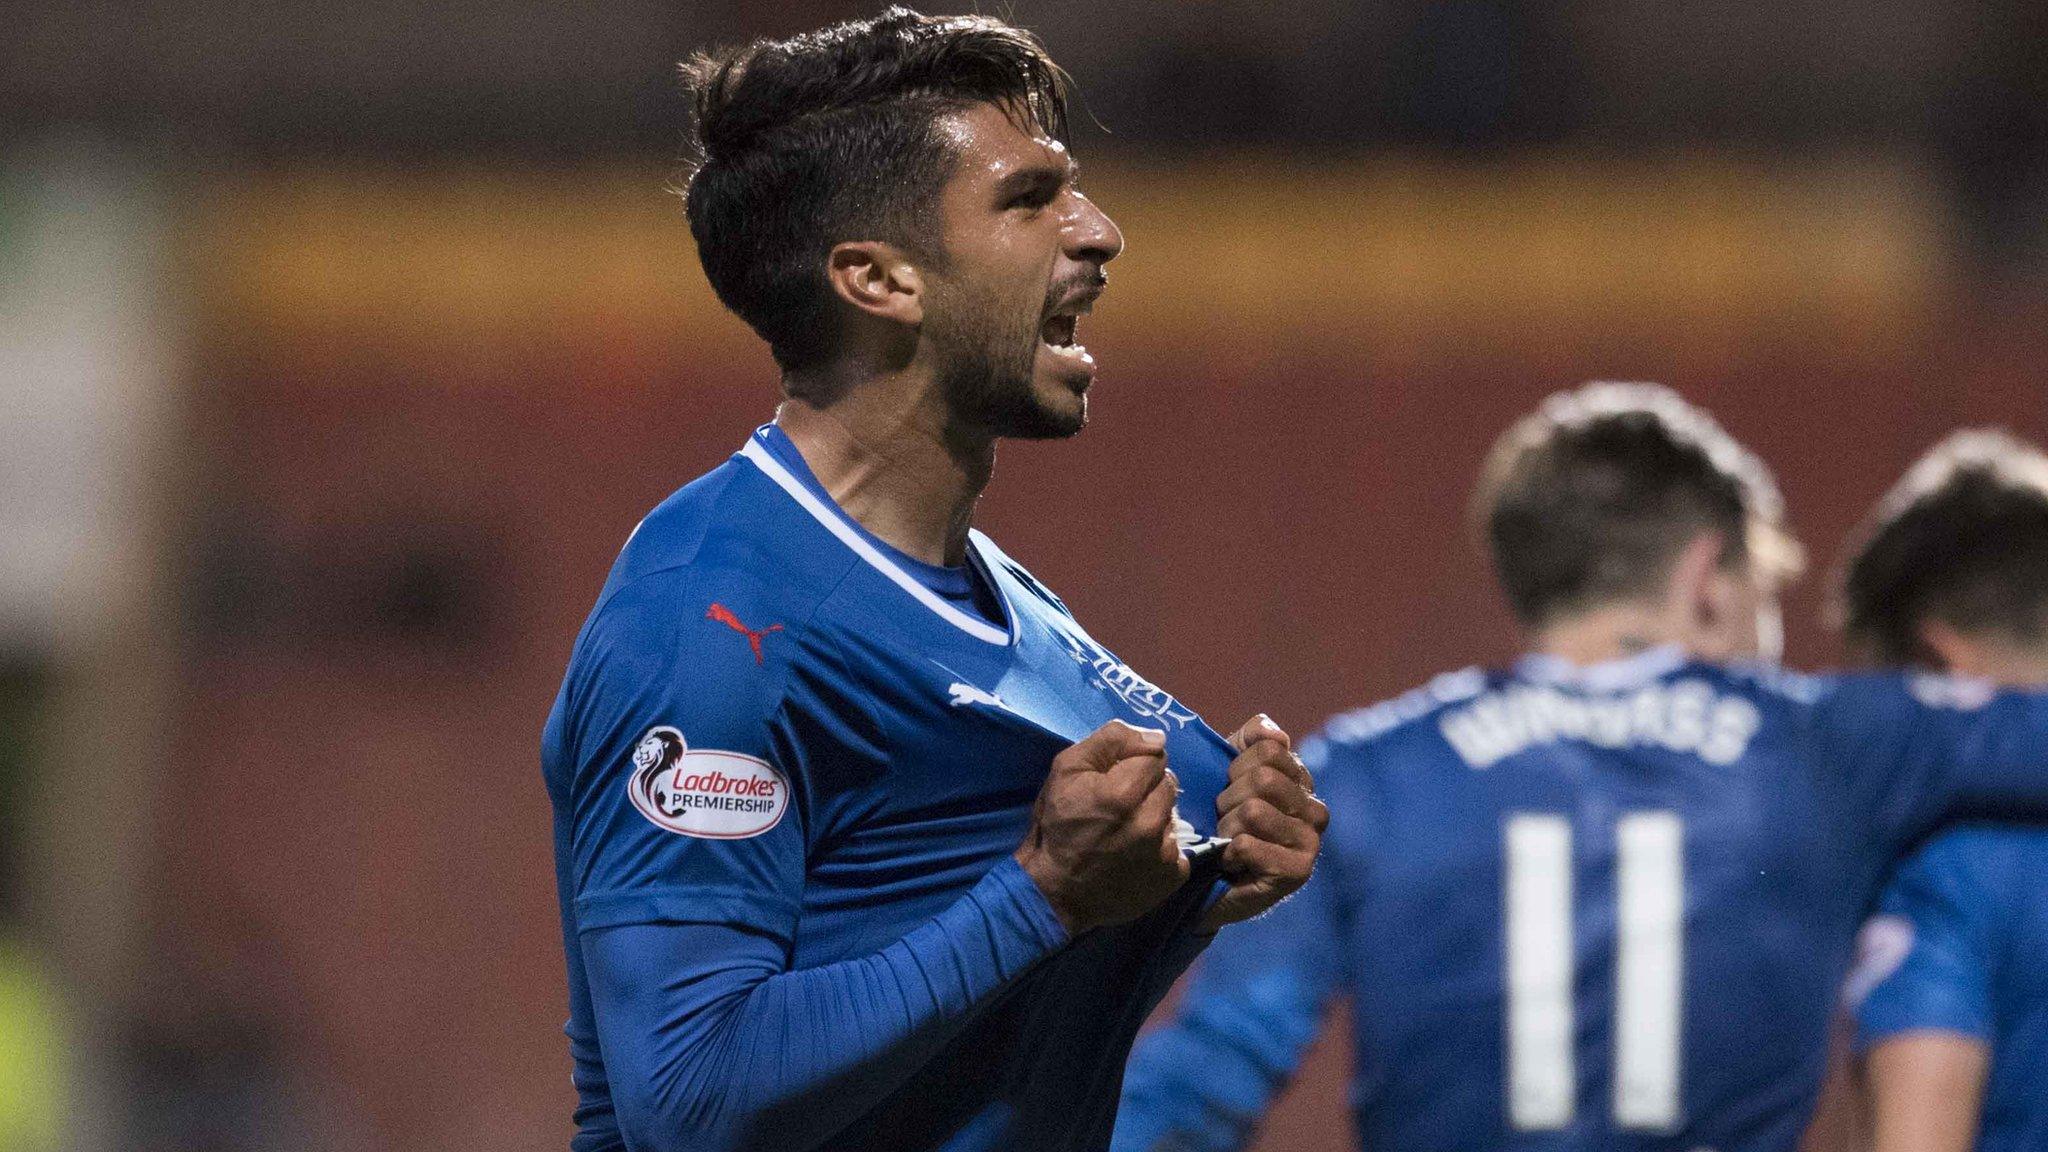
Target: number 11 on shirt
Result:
[1649, 975]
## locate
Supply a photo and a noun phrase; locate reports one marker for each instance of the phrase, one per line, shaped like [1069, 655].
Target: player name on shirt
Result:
[1687, 716]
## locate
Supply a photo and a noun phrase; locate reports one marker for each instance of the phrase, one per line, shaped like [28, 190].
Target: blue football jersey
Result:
[768, 724]
[1960, 944]
[1585, 908]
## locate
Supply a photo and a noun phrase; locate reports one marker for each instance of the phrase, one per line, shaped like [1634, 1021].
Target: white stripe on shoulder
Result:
[1370, 723]
[835, 522]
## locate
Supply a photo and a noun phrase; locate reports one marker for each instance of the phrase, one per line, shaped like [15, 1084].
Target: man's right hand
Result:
[1101, 845]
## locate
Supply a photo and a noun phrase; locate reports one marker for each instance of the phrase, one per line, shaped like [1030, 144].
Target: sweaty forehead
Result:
[991, 142]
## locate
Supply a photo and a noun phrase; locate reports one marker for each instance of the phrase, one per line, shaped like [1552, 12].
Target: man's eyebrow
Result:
[1038, 175]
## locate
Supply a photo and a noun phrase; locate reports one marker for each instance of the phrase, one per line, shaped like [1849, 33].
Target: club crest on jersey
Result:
[704, 792]
[1141, 695]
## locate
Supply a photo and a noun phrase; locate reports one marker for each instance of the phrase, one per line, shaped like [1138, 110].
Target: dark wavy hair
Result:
[1588, 500]
[1962, 538]
[804, 143]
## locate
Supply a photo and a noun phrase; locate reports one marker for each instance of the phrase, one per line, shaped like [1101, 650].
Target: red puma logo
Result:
[723, 615]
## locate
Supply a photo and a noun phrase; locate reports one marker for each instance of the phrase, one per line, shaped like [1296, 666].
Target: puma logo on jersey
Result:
[965, 694]
[724, 615]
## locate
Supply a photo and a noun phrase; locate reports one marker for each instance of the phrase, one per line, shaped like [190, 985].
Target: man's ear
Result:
[1695, 585]
[879, 279]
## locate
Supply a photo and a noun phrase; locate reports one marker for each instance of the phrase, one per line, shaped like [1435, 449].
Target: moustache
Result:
[1081, 289]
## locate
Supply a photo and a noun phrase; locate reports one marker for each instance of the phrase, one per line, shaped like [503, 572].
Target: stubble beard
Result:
[987, 370]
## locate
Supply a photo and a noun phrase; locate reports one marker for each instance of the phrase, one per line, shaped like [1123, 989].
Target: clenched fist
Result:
[1274, 822]
[1101, 845]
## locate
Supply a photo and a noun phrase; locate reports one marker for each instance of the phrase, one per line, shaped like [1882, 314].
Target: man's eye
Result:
[1035, 198]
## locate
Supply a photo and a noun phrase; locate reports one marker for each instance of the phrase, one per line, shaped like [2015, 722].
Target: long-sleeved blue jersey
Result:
[787, 778]
[1574, 909]
[1960, 944]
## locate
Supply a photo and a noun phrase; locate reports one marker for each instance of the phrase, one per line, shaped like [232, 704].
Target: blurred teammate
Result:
[862, 842]
[1603, 899]
[1952, 1021]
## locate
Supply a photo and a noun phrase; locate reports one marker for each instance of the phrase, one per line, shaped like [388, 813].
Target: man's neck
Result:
[2013, 664]
[1605, 634]
[887, 457]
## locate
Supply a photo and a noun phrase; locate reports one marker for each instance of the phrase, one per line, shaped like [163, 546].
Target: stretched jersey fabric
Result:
[1576, 909]
[1961, 945]
[787, 781]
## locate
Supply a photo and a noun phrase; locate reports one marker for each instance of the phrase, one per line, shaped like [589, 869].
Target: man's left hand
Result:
[1274, 822]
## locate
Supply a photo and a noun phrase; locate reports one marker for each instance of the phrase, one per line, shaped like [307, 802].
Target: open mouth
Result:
[1059, 335]
[1058, 331]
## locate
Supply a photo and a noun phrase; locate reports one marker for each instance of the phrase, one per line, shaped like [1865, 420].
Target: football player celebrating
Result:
[1603, 899]
[1951, 992]
[861, 840]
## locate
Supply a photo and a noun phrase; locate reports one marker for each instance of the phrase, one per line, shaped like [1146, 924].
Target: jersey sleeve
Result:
[712, 1044]
[1202, 1081]
[1923, 750]
[1927, 960]
[686, 790]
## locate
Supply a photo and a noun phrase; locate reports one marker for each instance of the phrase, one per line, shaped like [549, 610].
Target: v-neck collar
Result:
[836, 521]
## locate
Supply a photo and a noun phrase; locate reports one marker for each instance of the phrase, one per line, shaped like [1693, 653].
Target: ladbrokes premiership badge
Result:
[705, 792]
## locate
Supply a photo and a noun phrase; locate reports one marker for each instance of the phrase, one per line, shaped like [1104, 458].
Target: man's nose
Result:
[1090, 235]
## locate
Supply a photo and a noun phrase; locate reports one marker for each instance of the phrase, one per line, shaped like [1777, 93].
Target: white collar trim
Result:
[1606, 676]
[835, 522]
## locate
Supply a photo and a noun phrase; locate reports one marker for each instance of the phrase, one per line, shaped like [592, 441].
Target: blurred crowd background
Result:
[342, 345]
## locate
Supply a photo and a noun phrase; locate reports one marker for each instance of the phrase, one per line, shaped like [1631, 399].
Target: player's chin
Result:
[1059, 393]
[1056, 413]
[1065, 367]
